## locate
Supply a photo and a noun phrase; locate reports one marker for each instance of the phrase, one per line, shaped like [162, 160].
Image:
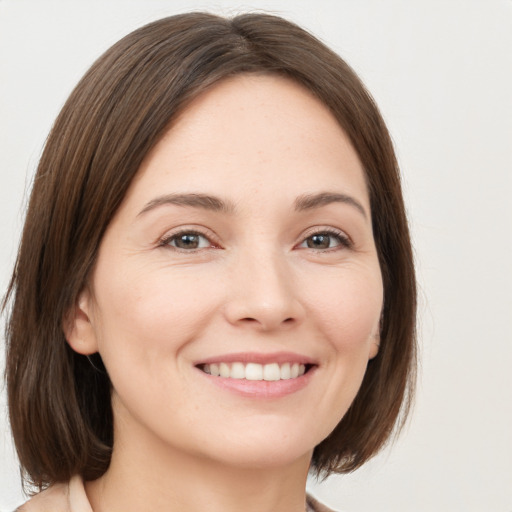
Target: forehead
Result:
[249, 131]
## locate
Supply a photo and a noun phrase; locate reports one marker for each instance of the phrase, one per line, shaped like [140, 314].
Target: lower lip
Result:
[263, 389]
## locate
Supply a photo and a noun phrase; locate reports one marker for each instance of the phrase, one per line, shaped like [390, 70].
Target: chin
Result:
[268, 457]
[269, 446]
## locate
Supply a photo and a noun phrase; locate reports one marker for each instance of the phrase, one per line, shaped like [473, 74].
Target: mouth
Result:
[264, 376]
[255, 371]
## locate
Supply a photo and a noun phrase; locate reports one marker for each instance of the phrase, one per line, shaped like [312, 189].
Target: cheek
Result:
[142, 323]
[152, 312]
[347, 308]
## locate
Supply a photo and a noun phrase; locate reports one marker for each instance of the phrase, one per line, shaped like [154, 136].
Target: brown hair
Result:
[59, 403]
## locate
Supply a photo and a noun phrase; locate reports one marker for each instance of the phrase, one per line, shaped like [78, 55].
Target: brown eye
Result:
[319, 241]
[188, 241]
[326, 240]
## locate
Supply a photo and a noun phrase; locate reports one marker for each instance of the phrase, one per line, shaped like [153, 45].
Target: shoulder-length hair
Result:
[59, 403]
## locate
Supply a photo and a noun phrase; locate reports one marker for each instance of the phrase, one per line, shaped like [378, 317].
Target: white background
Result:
[441, 72]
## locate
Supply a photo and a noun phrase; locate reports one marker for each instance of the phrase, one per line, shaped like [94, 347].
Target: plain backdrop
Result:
[441, 72]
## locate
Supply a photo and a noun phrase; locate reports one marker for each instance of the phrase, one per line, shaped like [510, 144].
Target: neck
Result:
[141, 477]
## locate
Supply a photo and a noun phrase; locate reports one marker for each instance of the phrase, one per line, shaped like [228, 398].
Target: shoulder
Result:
[315, 506]
[65, 497]
[53, 499]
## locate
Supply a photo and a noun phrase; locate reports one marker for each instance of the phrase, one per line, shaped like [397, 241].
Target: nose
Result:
[263, 294]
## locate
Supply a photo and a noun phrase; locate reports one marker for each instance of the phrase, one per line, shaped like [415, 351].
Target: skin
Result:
[256, 284]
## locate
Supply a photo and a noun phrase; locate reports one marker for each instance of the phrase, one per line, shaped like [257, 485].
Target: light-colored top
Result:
[71, 497]
[68, 497]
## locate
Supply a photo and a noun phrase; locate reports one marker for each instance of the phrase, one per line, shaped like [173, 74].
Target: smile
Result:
[255, 371]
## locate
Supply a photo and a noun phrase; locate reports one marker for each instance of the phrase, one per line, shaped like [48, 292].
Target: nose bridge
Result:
[263, 293]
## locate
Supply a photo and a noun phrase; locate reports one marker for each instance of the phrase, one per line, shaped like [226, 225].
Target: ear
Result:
[375, 342]
[78, 326]
[374, 348]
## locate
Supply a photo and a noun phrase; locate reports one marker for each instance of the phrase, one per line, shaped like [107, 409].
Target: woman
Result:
[214, 292]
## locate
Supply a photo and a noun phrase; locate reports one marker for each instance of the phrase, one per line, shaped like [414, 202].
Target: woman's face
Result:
[245, 247]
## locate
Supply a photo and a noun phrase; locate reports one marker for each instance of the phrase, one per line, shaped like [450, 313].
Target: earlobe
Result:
[78, 326]
[375, 345]
[374, 349]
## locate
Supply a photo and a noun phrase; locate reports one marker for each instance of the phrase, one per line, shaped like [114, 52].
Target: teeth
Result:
[214, 370]
[255, 371]
[237, 371]
[224, 369]
[286, 371]
[271, 372]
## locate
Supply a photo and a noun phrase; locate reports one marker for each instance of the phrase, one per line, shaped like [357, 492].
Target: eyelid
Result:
[164, 240]
[345, 241]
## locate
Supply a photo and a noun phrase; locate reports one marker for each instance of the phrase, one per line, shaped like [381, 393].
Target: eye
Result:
[327, 239]
[187, 240]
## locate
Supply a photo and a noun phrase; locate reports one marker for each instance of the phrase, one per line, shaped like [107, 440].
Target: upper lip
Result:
[259, 358]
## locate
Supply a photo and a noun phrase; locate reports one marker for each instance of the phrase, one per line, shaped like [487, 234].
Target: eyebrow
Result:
[203, 201]
[216, 204]
[311, 201]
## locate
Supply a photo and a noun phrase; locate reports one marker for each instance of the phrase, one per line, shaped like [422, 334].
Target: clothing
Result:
[71, 497]
[68, 497]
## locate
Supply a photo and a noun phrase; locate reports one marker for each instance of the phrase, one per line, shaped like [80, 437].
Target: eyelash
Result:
[343, 240]
[166, 240]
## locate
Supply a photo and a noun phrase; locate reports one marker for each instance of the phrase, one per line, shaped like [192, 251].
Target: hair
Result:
[59, 403]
